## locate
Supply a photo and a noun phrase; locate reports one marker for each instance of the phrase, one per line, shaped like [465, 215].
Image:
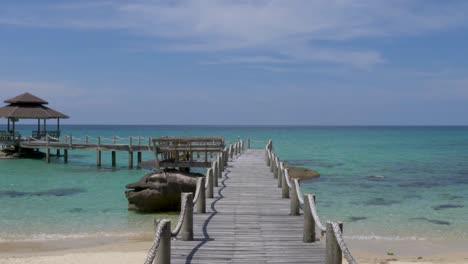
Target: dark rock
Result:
[12, 194]
[438, 222]
[381, 201]
[356, 218]
[301, 173]
[375, 178]
[157, 192]
[59, 192]
[447, 206]
[76, 210]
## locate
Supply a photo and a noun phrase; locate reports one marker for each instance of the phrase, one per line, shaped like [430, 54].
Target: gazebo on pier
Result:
[28, 106]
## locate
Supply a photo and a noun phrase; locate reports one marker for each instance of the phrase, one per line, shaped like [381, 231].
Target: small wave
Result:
[50, 237]
[396, 238]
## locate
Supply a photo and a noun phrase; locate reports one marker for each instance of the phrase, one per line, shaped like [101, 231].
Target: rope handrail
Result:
[286, 176]
[197, 191]
[344, 248]
[181, 215]
[299, 192]
[157, 238]
[313, 211]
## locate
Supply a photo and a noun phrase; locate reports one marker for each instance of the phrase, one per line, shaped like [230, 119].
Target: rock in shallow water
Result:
[447, 206]
[157, 192]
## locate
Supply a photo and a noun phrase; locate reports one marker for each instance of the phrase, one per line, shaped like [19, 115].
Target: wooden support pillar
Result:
[309, 223]
[130, 159]
[138, 158]
[285, 187]
[280, 175]
[333, 250]
[65, 155]
[215, 173]
[163, 255]
[98, 158]
[294, 206]
[186, 232]
[201, 202]
[48, 155]
[209, 178]
[113, 157]
[58, 153]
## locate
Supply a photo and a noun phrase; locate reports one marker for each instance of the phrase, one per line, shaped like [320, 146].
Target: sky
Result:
[228, 62]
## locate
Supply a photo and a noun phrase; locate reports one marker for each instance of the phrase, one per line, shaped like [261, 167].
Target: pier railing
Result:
[336, 247]
[160, 251]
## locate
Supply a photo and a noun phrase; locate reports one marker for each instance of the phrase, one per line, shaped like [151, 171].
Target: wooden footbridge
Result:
[169, 152]
[248, 210]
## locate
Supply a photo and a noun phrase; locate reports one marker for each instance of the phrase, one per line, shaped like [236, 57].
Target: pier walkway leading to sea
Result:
[247, 221]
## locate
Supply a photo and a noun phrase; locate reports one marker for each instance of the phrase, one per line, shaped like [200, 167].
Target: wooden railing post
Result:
[163, 255]
[220, 167]
[272, 160]
[267, 157]
[201, 201]
[215, 173]
[186, 233]
[231, 151]
[285, 187]
[280, 175]
[309, 223]
[210, 191]
[333, 250]
[226, 157]
[295, 206]
[275, 167]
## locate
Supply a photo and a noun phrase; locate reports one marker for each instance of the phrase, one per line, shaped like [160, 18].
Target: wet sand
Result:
[134, 250]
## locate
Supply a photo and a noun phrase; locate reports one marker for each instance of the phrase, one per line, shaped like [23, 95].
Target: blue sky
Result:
[259, 62]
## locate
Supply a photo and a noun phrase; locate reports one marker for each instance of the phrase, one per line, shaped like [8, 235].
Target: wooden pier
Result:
[169, 152]
[249, 219]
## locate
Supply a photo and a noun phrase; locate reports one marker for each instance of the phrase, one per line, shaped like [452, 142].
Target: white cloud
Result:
[293, 31]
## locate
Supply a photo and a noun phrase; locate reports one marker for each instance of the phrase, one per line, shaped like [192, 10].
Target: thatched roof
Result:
[26, 98]
[28, 106]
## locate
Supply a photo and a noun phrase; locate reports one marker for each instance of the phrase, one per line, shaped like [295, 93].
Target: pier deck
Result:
[247, 221]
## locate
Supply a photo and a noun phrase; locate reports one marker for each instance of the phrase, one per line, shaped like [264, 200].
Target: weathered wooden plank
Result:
[247, 221]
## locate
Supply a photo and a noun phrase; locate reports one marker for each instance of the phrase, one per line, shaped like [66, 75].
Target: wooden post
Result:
[333, 250]
[280, 175]
[267, 157]
[65, 155]
[215, 173]
[272, 160]
[226, 157]
[48, 155]
[248, 143]
[275, 168]
[294, 206]
[139, 157]
[163, 255]
[201, 202]
[309, 223]
[284, 183]
[231, 151]
[130, 159]
[220, 169]
[209, 178]
[57, 153]
[186, 233]
[98, 158]
[113, 154]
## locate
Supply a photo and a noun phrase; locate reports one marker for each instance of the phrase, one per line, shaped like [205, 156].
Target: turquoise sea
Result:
[395, 183]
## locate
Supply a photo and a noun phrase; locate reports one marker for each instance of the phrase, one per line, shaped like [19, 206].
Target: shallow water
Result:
[382, 182]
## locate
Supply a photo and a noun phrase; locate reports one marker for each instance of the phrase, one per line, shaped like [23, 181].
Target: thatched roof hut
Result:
[28, 106]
